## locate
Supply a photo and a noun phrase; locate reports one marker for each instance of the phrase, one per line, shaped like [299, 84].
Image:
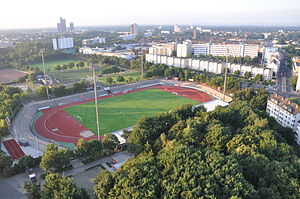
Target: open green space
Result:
[51, 65]
[125, 110]
[129, 77]
[73, 75]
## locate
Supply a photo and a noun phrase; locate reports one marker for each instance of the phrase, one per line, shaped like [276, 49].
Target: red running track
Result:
[13, 149]
[57, 125]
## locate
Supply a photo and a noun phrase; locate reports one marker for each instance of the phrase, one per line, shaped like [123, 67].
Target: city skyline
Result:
[216, 12]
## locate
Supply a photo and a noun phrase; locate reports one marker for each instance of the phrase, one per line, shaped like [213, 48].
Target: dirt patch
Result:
[10, 75]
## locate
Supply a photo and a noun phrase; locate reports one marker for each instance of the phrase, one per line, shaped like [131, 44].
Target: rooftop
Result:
[285, 103]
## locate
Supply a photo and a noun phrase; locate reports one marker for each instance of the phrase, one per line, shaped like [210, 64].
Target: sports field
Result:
[51, 64]
[125, 110]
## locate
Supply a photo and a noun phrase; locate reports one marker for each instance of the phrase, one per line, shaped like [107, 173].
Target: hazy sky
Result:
[46, 13]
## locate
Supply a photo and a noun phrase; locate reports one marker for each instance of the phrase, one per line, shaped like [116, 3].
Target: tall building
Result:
[62, 26]
[177, 28]
[185, 49]
[133, 28]
[63, 43]
[195, 34]
[72, 27]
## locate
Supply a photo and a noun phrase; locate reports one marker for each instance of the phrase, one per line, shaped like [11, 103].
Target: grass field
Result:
[51, 65]
[134, 75]
[125, 110]
[71, 75]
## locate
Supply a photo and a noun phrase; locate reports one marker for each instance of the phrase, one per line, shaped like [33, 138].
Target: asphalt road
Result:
[20, 128]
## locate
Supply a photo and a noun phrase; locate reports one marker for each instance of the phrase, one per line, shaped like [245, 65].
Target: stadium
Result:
[68, 122]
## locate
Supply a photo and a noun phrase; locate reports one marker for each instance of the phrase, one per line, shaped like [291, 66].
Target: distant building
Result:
[167, 49]
[147, 34]
[62, 26]
[128, 37]
[133, 28]
[185, 49]
[63, 43]
[208, 66]
[194, 34]
[235, 50]
[285, 112]
[201, 49]
[72, 28]
[165, 32]
[89, 42]
[177, 28]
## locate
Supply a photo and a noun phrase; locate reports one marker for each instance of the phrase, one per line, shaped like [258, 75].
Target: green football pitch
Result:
[123, 111]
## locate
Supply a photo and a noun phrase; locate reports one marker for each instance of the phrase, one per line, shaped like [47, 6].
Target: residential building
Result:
[185, 49]
[63, 43]
[62, 26]
[235, 50]
[128, 37]
[177, 28]
[133, 28]
[101, 51]
[204, 65]
[285, 112]
[296, 65]
[163, 49]
[298, 83]
[201, 49]
[89, 42]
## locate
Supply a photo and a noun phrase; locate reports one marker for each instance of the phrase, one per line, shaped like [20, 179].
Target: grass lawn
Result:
[71, 75]
[134, 75]
[51, 65]
[125, 110]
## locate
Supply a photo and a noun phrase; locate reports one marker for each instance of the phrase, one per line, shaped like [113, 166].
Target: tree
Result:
[32, 190]
[104, 183]
[41, 91]
[110, 142]
[58, 67]
[26, 161]
[109, 80]
[55, 159]
[5, 163]
[237, 73]
[258, 78]
[294, 80]
[57, 187]
[247, 75]
[120, 78]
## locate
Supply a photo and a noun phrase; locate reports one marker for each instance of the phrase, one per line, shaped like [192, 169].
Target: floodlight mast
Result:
[142, 60]
[43, 61]
[226, 68]
[96, 103]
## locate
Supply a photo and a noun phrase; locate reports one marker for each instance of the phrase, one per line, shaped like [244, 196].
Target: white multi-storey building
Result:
[185, 49]
[128, 37]
[97, 40]
[177, 28]
[63, 43]
[235, 50]
[214, 67]
[285, 113]
[201, 49]
[163, 49]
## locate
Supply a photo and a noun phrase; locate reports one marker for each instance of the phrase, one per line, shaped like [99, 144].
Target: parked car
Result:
[31, 175]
